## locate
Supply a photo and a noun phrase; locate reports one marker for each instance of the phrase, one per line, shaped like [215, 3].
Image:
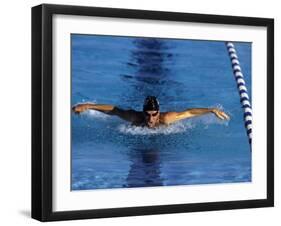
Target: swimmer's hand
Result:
[220, 114]
[79, 108]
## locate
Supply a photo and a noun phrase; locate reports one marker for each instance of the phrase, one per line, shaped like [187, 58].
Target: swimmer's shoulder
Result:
[167, 117]
[129, 114]
[139, 117]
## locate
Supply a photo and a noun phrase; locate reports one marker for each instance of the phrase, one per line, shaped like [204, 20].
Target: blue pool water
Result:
[110, 153]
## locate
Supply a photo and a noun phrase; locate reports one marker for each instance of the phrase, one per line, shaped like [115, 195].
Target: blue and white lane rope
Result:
[241, 85]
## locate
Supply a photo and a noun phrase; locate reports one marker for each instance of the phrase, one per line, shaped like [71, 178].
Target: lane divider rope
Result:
[241, 86]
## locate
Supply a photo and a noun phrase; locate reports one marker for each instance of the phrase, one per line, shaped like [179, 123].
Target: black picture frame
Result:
[42, 107]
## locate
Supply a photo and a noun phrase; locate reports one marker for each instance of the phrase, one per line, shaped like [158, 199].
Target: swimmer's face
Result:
[151, 118]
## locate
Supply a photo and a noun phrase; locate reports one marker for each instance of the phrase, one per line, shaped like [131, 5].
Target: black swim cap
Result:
[151, 104]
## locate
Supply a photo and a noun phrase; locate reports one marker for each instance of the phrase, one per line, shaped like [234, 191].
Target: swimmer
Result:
[151, 116]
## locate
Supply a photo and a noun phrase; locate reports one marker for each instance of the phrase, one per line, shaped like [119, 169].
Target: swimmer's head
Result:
[151, 111]
[151, 104]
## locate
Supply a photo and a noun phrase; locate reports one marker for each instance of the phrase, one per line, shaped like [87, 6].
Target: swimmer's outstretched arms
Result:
[151, 115]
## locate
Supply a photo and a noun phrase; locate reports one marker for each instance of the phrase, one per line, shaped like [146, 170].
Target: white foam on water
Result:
[178, 127]
[92, 114]
[165, 130]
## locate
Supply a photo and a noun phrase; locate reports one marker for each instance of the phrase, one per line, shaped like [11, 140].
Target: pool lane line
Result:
[242, 89]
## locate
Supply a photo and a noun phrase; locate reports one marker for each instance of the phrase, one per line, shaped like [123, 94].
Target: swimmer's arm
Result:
[171, 117]
[79, 108]
[128, 115]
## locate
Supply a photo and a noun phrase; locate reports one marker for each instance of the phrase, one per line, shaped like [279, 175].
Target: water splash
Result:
[209, 119]
[92, 114]
[178, 127]
[165, 130]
